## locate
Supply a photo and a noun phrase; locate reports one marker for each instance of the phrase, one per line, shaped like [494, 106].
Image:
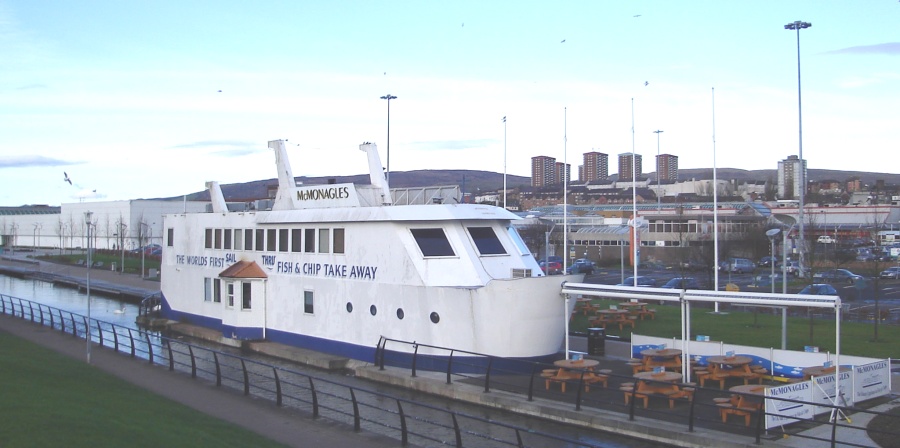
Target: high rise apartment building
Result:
[563, 172]
[543, 171]
[596, 166]
[625, 172]
[789, 176]
[667, 167]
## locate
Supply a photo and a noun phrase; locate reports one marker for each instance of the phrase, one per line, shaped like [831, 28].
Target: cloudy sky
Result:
[152, 99]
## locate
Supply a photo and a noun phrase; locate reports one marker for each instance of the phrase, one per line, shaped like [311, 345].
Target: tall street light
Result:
[87, 329]
[389, 97]
[658, 165]
[798, 25]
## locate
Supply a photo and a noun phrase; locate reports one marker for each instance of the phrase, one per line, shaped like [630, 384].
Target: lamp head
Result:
[87, 217]
[771, 233]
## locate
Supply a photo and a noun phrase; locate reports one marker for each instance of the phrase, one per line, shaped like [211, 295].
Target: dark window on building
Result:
[308, 302]
[296, 240]
[486, 241]
[217, 290]
[170, 237]
[433, 242]
[246, 295]
[207, 241]
[324, 241]
[228, 240]
[260, 240]
[338, 236]
[217, 241]
[248, 239]
[309, 240]
[238, 239]
[283, 240]
[271, 240]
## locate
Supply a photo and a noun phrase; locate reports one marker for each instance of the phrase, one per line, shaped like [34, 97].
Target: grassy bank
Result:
[52, 400]
[762, 329]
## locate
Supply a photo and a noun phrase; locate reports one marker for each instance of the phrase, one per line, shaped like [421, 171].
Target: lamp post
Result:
[87, 329]
[37, 234]
[389, 97]
[143, 248]
[122, 227]
[798, 25]
[504, 161]
[658, 164]
[772, 233]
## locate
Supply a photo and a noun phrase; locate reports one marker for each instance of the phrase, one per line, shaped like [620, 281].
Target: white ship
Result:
[336, 267]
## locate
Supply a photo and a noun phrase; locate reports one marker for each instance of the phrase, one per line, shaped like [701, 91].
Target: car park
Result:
[682, 283]
[767, 261]
[641, 281]
[825, 239]
[819, 289]
[891, 272]
[551, 268]
[836, 276]
[581, 266]
[739, 265]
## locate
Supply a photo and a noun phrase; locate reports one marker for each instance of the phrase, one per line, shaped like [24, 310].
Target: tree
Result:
[534, 236]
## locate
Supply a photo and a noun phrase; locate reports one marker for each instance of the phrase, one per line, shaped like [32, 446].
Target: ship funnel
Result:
[286, 180]
[216, 197]
[376, 171]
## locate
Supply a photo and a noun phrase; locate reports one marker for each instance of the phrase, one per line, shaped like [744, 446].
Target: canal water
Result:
[123, 314]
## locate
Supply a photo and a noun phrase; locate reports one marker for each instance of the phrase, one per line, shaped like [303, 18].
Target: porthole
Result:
[349, 307]
[435, 317]
[373, 310]
[399, 313]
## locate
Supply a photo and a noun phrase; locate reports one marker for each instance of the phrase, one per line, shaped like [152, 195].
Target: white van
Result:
[740, 265]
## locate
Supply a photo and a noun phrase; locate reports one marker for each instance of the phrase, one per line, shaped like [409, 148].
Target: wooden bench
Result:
[629, 392]
[736, 406]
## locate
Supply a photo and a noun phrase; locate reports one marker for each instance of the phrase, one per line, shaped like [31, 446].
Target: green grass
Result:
[132, 261]
[737, 327]
[52, 400]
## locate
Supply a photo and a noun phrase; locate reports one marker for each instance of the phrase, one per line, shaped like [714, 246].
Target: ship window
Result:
[338, 241]
[373, 310]
[517, 239]
[217, 240]
[308, 302]
[170, 237]
[435, 317]
[207, 242]
[271, 240]
[260, 240]
[228, 239]
[433, 242]
[230, 288]
[400, 313]
[324, 241]
[486, 241]
[309, 240]
[248, 239]
[349, 307]
[296, 240]
[238, 239]
[217, 291]
[207, 290]
[283, 240]
[246, 295]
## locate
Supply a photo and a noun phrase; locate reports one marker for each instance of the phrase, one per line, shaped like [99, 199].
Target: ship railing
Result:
[615, 388]
[412, 422]
[150, 304]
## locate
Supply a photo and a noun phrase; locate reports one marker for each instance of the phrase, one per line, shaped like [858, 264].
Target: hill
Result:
[473, 181]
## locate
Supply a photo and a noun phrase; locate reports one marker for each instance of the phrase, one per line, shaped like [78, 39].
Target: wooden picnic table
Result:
[669, 358]
[638, 309]
[723, 367]
[574, 370]
[607, 316]
[661, 383]
[812, 371]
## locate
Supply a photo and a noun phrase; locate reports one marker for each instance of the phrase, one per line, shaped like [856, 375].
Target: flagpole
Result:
[504, 161]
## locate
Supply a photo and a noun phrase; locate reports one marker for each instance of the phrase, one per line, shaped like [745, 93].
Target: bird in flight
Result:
[636, 15]
[563, 41]
[646, 83]
[66, 178]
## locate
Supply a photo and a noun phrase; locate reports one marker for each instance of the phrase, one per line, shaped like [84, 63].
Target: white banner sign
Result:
[871, 380]
[779, 413]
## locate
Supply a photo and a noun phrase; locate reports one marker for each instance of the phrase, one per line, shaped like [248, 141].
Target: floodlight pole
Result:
[388, 97]
[798, 25]
[87, 328]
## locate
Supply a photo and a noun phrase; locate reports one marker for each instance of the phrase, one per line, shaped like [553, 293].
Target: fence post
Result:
[355, 410]
[760, 415]
[74, 325]
[578, 392]
[694, 398]
[449, 366]
[519, 439]
[631, 408]
[246, 377]
[315, 397]
[379, 351]
[531, 383]
[218, 370]
[131, 338]
[193, 362]
[487, 378]
[99, 334]
[404, 438]
[31, 309]
[87, 329]
[115, 337]
[415, 357]
[62, 323]
[21, 310]
[52, 324]
[149, 348]
[456, 431]
[41, 311]
[277, 387]
[171, 357]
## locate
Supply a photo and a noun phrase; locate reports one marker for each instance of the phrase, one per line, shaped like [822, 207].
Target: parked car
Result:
[581, 266]
[819, 289]
[740, 265]
[764, 282]
[641, 281]
[693, 265]
[865, 256]
[551, 268]
[682, 283]
[891, 272]
[825, 239]
[836, 275]
[793, 268]
[767, 261]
